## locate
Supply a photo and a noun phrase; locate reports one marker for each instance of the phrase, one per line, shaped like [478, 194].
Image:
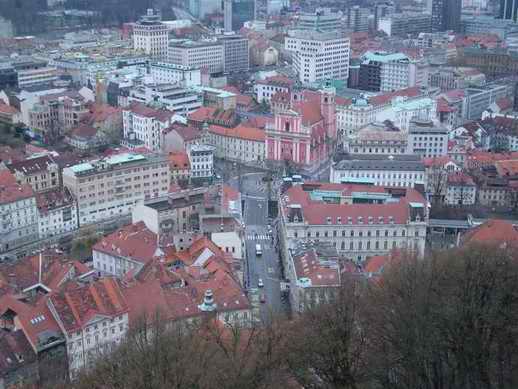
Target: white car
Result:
[260, 283]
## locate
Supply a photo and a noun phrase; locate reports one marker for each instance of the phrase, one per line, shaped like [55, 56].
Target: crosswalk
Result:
[258, 237]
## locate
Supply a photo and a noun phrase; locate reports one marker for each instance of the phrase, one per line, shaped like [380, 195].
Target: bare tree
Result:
[327, 345]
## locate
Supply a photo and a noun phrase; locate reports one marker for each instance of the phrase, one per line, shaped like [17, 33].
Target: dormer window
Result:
[328, 220]
[295, 219]
[339, 220]
[391, 219]
[349, 220]
[380, 220]
[371, 219]
[287, 126]
[360, 219]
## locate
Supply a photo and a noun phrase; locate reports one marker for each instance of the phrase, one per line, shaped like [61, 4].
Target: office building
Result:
[405, 24]
[168, 73]
[204, 54]
[319, 56]
[236, 13]
[445, 14]
[378, 139]
[235, 52]
[357, 19]
[322, 20]
[110, 187]
[170, 96]
[509, 9]
[382, 71]
[151, 36]
[359, 220]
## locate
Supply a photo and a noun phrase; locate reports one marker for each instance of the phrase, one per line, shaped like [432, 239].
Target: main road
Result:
[267, 265]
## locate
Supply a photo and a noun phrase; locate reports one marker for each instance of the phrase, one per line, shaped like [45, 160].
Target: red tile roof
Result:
[10, 155]
[35, 319]
[459, 178]
[84, 131]
[202, 114]
[309, 266]
[504, 103]
[77, 304]
[162, 115]
[241, 132]
[53, 199]
[135, 241]
[387, 97]
[375, 265]
[7, 109]
[491, 232]
[506, 168]
[187, 133]
[10, 190]
[179, 161]
[317, 212]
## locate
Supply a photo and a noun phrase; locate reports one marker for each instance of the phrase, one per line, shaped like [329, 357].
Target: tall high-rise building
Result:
[509, 9]
[445, 14]
[151, 36]
[236, 13]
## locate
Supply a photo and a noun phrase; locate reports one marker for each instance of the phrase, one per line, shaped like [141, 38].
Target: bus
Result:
[258, 250]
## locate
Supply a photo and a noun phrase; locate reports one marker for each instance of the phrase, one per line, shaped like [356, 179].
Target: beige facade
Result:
[108, 188]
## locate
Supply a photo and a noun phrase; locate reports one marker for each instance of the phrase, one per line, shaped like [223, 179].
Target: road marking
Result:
[259, 237]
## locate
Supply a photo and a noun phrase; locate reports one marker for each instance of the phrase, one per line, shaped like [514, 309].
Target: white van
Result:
[258, 250]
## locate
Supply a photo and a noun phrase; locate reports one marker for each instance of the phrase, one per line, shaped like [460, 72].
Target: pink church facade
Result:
[306, 132]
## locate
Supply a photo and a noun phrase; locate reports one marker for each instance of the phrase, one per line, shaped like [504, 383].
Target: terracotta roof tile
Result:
[241, 132]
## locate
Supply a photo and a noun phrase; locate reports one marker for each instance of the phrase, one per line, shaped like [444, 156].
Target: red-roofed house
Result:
[179, 137]
[180, 167]
[93, 317]
[241, 143]
[306, 132]
[128, 248]
[84, 138]
[143, 126]
[212, 115]
[494, 231]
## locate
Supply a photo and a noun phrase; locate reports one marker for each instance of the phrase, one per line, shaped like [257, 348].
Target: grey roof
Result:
[404, 162]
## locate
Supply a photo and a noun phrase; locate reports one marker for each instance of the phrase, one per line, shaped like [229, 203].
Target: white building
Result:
[401, 171]
[57, 213]
[360, 221]
[32, 77]
[243, 144]
[201, 158]
[402, 110]
[352, 116]
[168, 73]
[319, 56]
[143, 126]
[111, 187]
[18, 212]
[427, 140]
[151, 36]
[170, 96]
[129, 248]
[460, 190]
[208, 54]
[93, 317]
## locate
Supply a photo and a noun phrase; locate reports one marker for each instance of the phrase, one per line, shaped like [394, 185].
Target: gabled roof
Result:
[179, 160]
[32, 165]
[10, 190]
[35, 319]
[162, 115]
[134, 241]
[492, 232]
[84, 131]
[77, 304]
[241, 132]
